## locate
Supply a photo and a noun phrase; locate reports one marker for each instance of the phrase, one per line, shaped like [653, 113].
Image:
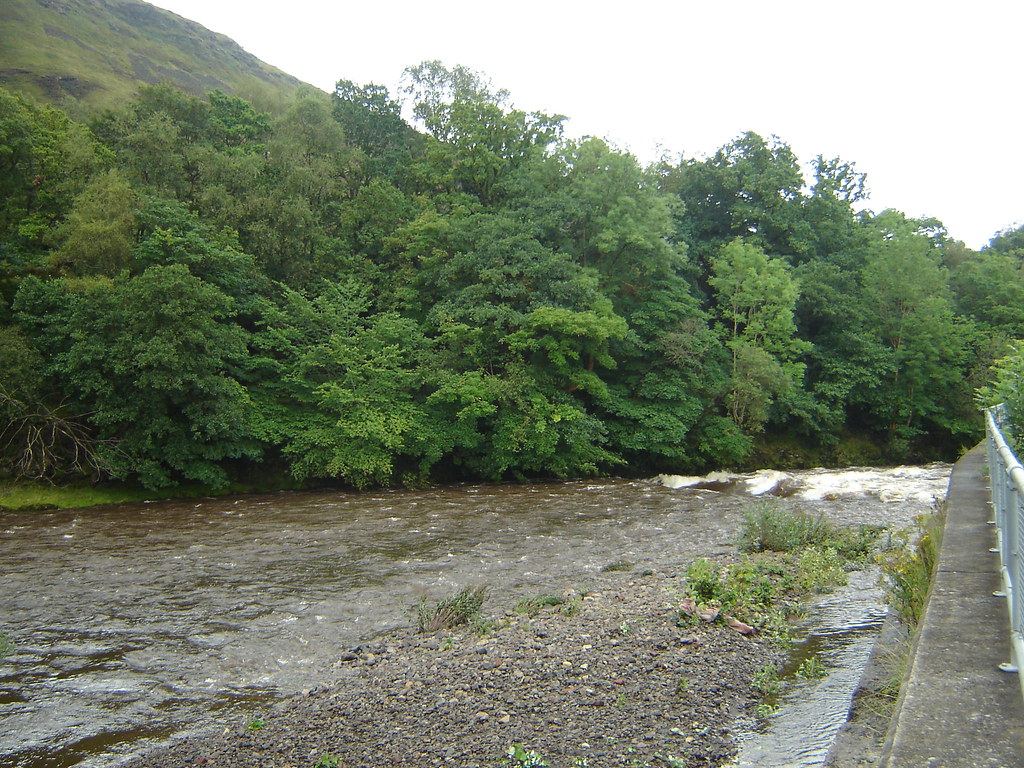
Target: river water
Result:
[133, 622]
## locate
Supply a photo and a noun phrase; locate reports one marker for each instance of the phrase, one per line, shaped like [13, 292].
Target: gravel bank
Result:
[606, 679]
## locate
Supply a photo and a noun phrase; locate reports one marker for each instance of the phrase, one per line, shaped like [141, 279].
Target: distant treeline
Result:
[194, 290]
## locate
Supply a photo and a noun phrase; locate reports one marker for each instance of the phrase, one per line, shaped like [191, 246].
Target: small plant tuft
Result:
[6, 646]
[572, 606]
[518, 755]
[618, 565]
[532, 605]
[908, 566]
[704, 580]
[811, 668]
[327, 760]
[768, 527]
[451, 612]
[766, 680]
[819, 569]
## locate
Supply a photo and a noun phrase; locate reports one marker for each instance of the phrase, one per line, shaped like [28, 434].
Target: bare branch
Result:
[43, 443]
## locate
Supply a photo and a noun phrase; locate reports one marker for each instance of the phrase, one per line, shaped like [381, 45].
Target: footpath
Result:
[958, 709]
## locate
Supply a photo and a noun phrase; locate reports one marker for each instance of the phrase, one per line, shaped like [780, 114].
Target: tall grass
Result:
[767, 527]
[909, 565]
[458, 609]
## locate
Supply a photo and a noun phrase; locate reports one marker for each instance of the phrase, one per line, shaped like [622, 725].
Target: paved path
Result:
[957, 707]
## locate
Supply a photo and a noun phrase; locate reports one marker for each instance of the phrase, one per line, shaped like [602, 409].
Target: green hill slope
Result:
[97, 52]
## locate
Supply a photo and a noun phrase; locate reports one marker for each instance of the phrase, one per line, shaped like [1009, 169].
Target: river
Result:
[132, 623]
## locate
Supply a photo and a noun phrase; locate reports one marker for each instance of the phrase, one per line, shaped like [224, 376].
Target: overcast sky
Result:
[924, 97]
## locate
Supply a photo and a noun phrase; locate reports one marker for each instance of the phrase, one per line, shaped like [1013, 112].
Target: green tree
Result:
[100, 230]
[837, 232]
[755, 297]
[479, 143]
[155, 360]
[989, 287]
[367, 426]
[232, 124]
[372, 122]
[1006, 387]
[910, 308]
[1009, 241]
[750, 188]
[521, 334]
[46, 159]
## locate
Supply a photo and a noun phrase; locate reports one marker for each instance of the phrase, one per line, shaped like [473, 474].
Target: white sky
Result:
[924, 97]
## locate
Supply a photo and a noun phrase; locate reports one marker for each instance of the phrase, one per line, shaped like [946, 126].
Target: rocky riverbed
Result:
[604, 679]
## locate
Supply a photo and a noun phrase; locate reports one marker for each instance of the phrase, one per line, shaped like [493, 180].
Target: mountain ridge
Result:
[98, 52]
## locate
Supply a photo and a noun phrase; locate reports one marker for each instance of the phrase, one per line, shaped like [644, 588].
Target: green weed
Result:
[811, 668]
[880, 700]
[790, 555]
[451, 612]
[6, 645]
[704, 580]
[327, 760]
[766, 680]
[572, 606]
[908, 566]
[819, 569]
[482, 627]
[518, 755]
[532, 605]
[768, 527]
[619, 565]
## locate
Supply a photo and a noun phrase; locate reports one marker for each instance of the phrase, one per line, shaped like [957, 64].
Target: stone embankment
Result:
[958, 709]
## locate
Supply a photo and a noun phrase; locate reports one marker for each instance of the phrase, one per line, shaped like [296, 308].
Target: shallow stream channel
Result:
[134, 623]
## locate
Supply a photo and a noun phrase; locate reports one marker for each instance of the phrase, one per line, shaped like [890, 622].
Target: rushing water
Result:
[839, 635]
[132, 622]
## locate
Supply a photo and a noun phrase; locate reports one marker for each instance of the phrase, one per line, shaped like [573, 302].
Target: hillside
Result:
[97, 52]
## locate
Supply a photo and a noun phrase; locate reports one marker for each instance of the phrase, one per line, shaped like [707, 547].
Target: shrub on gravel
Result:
[768, 527]
[458, 609]
[531, 605]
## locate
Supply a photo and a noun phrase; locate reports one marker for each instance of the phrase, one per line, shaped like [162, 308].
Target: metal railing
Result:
[1006, 478]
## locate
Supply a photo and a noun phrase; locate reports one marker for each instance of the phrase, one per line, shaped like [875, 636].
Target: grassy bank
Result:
[35, 496]
[31, 496]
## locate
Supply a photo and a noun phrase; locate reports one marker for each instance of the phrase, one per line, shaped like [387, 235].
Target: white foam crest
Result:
[678, 481]
[927, 483]
[892, 484]
[765, 481]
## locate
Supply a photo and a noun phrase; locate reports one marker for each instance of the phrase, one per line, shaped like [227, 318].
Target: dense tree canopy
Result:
[191, 289]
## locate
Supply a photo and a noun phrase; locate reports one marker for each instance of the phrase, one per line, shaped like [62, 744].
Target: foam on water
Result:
[923, 484]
